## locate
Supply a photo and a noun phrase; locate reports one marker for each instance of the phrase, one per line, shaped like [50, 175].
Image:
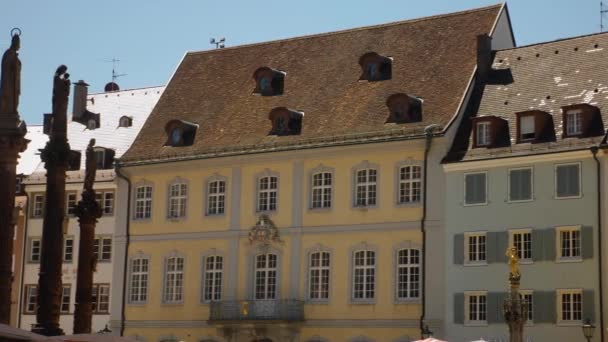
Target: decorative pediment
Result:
[264, 232]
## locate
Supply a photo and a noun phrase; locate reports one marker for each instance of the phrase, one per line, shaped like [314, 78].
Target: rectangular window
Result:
[475, 248]
[65, 298]
[483, 133]
[68, 249]
[105, 199]
[410, 184]
[212, 289]
[267, 193]
[102, 248]
[364, 275]
[526, 297]
[174, 280]
[475, 188]
[35, 247]
[138, 285]
[266, 276]
[527, 131]
[31, 298]
[365, 195]
[318, 268]
[476, 308]
[569, 239]
[568, 180]
[101, 298]
[408, 274]
[178, 194]
[321, 190]
[38, 205]
[570, 306]
[574, 123]
[216, 192]
[143, 202]
[522, 241]
[71, 202]
[520, 185]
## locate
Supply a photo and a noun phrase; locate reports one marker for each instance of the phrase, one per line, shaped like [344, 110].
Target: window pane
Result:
[568, 182]
[475, 188]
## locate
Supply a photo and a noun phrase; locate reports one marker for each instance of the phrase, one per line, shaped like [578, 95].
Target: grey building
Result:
[522, 173]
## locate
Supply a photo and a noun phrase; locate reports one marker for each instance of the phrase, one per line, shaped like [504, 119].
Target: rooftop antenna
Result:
[603, 11]
[115, 62]
[219, 43]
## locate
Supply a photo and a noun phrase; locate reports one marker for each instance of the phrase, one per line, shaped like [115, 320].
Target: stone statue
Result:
[61, 89]
[10, 78]
[513, 263]
[91, 167]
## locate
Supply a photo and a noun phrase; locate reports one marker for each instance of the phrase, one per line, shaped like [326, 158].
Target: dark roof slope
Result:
[433, 58]
[546, 77]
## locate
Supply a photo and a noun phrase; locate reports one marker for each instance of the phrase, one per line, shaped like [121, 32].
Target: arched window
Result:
[174, 279]
[408, 273]
[318, 268]
[410, 184]
[216, 196]
[178, 199]
[212, 278]
[321, 190]
[265, 276]
[375, 67]
[125, 121]
[364, 275]
[268, 193]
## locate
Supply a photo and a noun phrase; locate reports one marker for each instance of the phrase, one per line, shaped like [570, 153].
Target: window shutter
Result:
[475, 188]
[495, 305]
[491, 247]
[562, 181]
[588, 306]
[458, 308]
[502, 242]
[480, 187]
[568, 180]
[549, 244]
[459, 249]
[537, 245]
[543, 303]
[587, 242]
[469, 196]
[520, 184]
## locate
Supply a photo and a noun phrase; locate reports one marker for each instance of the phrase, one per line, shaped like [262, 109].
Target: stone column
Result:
[55, 155]
[515, 309]
[12, 142]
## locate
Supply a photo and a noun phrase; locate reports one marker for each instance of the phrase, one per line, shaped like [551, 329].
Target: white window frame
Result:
[464, 192]
[467, 310]
[484, 139]
[99, 243]
[512, 234]
[580, 180]
[65, 288]
[477, 235]
[366, 268]
[523, 294]
[558, 244]
[560, 306]
[520, 120]
[368, 187]
[177, 203]
[143, 205]
[325, 191]
[105, 199]
[267, 273]
[266, 205]
[321, 272]
[577, 114]
[37, 205]
[216, 200]
[402, 185]
[139, 294]
[101, 298]
[31, 249]
[73, 201]
[65, 249]
[174, 280]
[531, 185]
[31, 299]
[409, 266]
[213, 278]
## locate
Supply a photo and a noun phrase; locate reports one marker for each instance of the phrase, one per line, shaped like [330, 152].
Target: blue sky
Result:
[151, 36]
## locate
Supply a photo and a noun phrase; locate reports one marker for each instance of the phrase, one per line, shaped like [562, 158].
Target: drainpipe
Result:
[594, 150]
[428, 132]
[126, 261]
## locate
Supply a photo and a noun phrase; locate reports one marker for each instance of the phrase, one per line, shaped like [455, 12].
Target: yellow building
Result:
[277, 189]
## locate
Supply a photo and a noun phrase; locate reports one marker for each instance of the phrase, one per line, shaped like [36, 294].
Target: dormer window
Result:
[375, 67]
[490, 132]
[285, 121]
[269, 82]
[582, 121]
[404, 108]
[92, 124]
[125, 121]
[180, 133]
[535, 126]
[104, 158]
[483, 133]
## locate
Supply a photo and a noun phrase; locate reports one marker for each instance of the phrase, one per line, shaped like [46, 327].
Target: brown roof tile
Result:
[433, 58]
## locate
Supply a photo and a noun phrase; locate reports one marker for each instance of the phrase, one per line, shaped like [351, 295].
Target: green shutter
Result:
[459, 249]
[537, 245]
[502, 242]
[458, 308]
[491, 246]
[549, 244]
[543, 303]
[588, 306]
[587, 242]
[495, 307]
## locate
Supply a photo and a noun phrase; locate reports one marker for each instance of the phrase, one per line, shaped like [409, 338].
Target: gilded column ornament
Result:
[514, 307]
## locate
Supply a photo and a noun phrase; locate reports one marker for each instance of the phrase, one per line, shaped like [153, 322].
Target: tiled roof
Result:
[433, 58]
[546, 77]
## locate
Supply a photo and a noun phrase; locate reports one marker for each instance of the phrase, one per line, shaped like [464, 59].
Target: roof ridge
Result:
[123, 90]
[354, 29]
[555, 41]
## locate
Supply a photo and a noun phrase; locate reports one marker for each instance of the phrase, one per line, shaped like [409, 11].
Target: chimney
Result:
[484, 57]
[80, 99]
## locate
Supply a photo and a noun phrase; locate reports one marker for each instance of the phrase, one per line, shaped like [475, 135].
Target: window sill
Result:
[520, 201]
[317, 302]
[362, 302]
[568, 197]
[320, 210]
[474, 204]
[409, 204]
[407, 301]
[266, 212]
[568, 260]
[364, 207]
[475, 264]
[176, 219]
[476, 324]
[215, 216]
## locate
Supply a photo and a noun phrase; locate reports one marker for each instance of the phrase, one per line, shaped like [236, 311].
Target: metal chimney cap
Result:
[82, 82]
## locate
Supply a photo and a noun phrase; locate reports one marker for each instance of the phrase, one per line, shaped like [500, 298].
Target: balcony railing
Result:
[257, 310]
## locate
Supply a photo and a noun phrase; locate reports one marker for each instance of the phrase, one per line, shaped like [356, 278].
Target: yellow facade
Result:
[340, 230]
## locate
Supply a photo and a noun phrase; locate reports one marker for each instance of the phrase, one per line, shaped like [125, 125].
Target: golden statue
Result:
[245, 309]
[513, 262]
